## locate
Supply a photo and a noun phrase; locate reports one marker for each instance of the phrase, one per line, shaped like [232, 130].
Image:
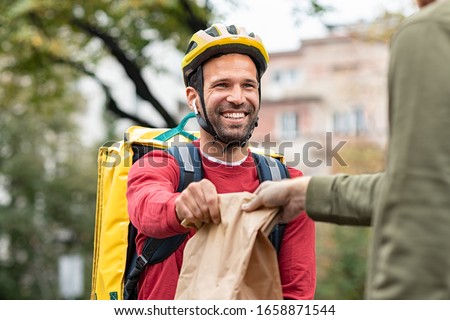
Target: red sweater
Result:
[151, 194]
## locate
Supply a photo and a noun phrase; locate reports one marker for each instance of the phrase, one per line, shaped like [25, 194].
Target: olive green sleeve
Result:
[343, 199]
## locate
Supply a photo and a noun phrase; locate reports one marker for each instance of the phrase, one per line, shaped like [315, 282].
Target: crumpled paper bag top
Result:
[234, 259]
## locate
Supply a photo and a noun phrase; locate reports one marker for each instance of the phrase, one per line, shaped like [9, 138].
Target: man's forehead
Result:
[225, 63]
[229, 57]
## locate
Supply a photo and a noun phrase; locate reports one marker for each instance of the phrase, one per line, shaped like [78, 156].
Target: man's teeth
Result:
[234, 115]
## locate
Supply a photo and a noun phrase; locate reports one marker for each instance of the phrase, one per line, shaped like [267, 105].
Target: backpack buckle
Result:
[141, 262]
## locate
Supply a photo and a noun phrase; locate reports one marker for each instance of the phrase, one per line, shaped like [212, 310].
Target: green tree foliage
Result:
[342, 261]
[45, 33]
[47, 181]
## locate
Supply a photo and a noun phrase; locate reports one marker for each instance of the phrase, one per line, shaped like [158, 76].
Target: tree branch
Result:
[194, 21]
[111, 103]
[130, 67]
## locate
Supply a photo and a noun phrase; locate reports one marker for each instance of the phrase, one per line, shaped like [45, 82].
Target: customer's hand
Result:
[289, 194]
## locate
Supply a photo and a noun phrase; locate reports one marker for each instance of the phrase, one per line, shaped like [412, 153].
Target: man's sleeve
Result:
[151, 194]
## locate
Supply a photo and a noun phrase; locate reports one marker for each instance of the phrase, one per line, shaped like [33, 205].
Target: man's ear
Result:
[192, 98]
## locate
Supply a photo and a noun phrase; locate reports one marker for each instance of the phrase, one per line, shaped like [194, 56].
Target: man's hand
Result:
[199, 202]
[289, 194]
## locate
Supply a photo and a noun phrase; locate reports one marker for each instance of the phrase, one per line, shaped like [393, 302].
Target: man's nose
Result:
[236, 95]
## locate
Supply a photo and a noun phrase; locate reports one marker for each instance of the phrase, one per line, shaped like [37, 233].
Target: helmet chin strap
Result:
[250, 132]
[203, 121]
[205, 124]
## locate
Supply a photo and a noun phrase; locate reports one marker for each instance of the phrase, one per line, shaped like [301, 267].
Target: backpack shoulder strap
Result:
[269, 168]
[190, 164]
[157, 250]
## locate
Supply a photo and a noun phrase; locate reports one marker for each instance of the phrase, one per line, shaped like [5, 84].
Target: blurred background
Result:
[75, 74]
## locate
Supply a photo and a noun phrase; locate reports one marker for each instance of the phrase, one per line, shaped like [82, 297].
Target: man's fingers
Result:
[202, 201]
[212, 202]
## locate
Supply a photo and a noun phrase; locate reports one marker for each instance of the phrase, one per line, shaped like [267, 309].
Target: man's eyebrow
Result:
[227, 79]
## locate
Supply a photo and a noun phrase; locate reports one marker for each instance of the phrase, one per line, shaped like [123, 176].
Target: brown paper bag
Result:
[233, 260]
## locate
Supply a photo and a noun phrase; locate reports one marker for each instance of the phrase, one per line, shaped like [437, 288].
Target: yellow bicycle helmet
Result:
[221, 39]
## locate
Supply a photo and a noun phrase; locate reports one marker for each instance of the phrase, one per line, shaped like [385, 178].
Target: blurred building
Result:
[329, 91]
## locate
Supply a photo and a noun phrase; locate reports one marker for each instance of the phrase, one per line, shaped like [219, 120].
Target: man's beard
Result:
[233, 135]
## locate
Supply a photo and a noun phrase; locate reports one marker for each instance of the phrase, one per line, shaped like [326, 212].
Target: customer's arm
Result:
[340, 199]
[343, 199]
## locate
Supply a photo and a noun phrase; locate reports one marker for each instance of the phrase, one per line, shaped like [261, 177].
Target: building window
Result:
[286, 77]
[350, 122]
[360, 121]
[339, 123]
[288, 125]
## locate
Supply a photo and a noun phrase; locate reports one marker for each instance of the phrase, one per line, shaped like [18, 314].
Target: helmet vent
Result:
[232, 29]
[212, 31]
[192, 46]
